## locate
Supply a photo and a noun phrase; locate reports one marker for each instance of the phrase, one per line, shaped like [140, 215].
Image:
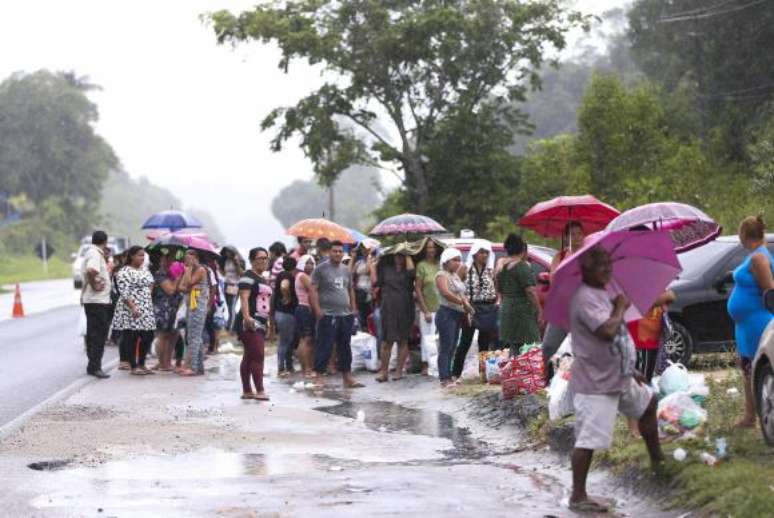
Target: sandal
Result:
[124, 366]
[187, 372]
[588, 506]
[354, 385]
[138, 372]
[381, 379]
[261, 397]
[247, 396]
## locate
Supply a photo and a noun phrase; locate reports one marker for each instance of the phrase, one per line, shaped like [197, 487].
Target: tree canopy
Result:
[401, 71]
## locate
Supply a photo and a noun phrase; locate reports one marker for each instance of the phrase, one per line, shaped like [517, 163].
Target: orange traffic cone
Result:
[18, 309]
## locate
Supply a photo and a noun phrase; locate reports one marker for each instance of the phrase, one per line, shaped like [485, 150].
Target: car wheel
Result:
[764, 385]
[679, 346]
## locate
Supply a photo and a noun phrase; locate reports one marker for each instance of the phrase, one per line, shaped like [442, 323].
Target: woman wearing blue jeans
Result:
[453, 306]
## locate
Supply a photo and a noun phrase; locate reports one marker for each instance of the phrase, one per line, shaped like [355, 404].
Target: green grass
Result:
[742, 485]
[23, 268]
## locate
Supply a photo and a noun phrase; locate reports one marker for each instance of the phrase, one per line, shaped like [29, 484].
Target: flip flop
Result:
[247, 396]
[261, 397]
[381, 380]
[355, 385]
[588, 506]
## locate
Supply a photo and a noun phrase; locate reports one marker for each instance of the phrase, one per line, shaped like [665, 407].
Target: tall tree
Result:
[409, 64]
[48, 146]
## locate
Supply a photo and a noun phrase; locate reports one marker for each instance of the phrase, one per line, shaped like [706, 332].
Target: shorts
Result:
[305, 323]
[595, 414]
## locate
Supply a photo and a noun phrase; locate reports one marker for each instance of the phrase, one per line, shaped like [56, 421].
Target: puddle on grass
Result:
[384, 416]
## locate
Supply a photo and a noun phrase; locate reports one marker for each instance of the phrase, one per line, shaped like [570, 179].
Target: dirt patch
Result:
[77, 413]
[492, 410]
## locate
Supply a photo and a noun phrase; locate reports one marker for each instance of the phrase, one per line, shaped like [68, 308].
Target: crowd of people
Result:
[317, 295]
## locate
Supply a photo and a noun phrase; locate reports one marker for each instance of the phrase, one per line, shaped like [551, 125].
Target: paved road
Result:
[39, 296]
[41, 354]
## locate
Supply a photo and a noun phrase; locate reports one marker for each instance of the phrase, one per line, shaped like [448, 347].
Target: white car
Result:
[117, 245]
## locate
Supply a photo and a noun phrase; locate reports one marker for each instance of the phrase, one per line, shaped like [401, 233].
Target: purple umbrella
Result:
[644, 263]
[688, 226]
[407, 224]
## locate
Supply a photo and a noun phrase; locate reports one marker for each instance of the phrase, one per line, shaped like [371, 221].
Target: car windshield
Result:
[695, 262]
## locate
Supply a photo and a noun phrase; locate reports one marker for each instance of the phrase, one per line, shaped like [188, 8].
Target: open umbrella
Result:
[404, 224]
[362, 239]
[178, 242]
[688, 226]
[549, 218]
[316, 228]
[644, 263]
[173, 220]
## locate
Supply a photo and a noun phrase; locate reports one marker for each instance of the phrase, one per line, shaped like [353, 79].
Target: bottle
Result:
[721, 447]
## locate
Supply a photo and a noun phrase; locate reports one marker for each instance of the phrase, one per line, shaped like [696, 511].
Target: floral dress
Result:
[134, 284]
[165, 306]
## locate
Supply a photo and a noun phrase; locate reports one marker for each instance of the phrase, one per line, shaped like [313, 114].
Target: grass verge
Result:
[741, 485]
[25, 268]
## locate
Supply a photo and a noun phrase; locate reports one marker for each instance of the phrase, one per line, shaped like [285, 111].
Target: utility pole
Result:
[331, 204]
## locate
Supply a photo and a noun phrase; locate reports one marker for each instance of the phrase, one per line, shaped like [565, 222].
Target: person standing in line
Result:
[453, 305]
[277, 253]
[746, 307]
[359, 266]
[166, 301]
[519, 304]
[254, 322]
[323, 246]
[283, 306]
[603, 378]
[232, 271]
[426, 295]
[303, 248]
[332, 297]
[478, 275]
[305, 322]
[394, 276]
[195, 284]
[572, 241]
[95, 298]
[134, 315]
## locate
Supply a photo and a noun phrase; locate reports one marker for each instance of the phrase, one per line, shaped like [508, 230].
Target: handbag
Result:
[485, 317]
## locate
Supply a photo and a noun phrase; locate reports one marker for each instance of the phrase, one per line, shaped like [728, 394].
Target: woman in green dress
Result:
[519, 305]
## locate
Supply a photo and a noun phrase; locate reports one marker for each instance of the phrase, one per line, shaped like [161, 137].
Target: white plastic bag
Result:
[82, 324]
[364, 352]
[559, 395]
[674, 379]
[679, 409]
[492, 371]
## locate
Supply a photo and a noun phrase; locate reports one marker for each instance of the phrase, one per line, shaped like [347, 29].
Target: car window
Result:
[537, 267]
[697, 261]
[735, 261]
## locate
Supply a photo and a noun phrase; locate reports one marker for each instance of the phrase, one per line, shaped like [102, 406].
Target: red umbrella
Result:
[549, 218]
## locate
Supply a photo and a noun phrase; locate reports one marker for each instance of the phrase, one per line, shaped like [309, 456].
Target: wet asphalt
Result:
[41, 354]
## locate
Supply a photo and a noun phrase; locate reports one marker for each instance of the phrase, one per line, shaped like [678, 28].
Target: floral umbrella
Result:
[316, 228]
[688, 226]
[405, 224]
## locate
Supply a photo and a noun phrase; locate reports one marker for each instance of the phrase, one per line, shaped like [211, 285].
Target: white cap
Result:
[301, 265]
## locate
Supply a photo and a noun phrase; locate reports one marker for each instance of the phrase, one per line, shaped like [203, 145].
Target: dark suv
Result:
[701, 321]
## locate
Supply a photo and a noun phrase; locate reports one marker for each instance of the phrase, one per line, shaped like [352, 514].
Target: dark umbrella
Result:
[407, 224]
[173, 220]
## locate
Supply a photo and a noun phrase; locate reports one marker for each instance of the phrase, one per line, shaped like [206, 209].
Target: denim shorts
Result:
[305, 323]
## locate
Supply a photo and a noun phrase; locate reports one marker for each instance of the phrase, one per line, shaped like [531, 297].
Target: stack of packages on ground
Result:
[679, 409]
[525, 373]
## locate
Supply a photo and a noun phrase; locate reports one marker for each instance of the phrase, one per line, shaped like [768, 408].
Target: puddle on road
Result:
[384, 416]
[49, 465]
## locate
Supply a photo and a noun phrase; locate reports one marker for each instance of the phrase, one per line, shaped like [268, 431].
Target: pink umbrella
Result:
[688, 226]
[644, 263]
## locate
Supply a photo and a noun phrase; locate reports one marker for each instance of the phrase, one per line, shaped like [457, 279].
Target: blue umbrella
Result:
[359, 237]
[173, 220]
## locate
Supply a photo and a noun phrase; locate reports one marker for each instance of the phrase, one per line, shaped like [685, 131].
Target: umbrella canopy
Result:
[178, 241]
[407, 224]
[644, 263]
[156, 233]
[173, 220]
[362, 239]
[549, 218]
[316, 228]
[688, 226]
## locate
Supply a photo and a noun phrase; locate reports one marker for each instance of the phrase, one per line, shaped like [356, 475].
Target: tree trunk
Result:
[415, 171]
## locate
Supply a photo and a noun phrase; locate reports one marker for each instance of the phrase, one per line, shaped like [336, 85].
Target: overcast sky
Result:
[176, 107]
